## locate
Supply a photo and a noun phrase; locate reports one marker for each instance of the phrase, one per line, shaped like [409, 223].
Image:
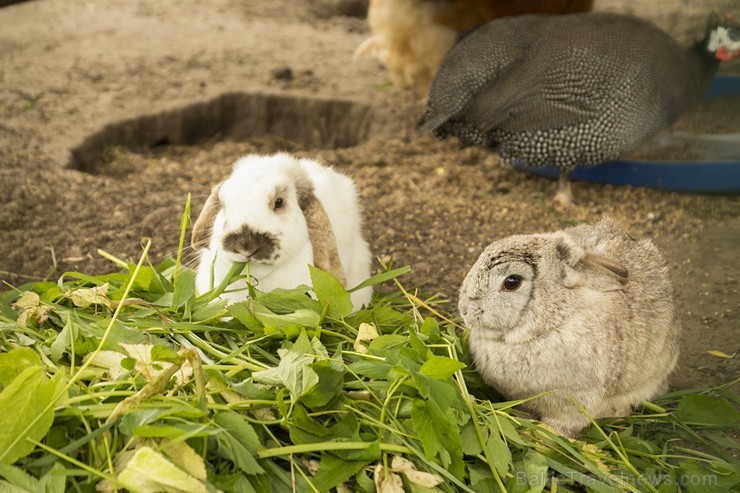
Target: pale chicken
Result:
[411, 37]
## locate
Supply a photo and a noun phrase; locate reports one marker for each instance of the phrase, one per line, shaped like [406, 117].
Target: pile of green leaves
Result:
[131, 381]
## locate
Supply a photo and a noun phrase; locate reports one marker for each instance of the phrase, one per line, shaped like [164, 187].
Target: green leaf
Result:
[390, 341]
[132, 420]
[240, 311]
[385, 319]
[720, 439]
[18, 479]
[304, 429]
[302, 344]
[331, 293]
[707, 410]
[481, 479]
[430, 328]
[531, 473]
[470, 442]
[64, 340]
[535, 470]
[239, 483]
[299, 318]
[163, 353]
[14, 362]
[509, 432]
[148, 471]
[444, 394]
[438, 432]
[238, 442]
[184, 288]
[376, 370]
[639, 445]
[144, 277]
[165, 301]
[425, 418]
[369, 454]
[206, 311]
[283, 301]
[293, 372]
[382, 277]
[348, 428]
[26, 412]
[119, 333]
[249, 390]
[365, 484]
[333, 471]
[85, 345]
[498, 452]
[328, 388]
[695, 478]
[235, 424]
[420, 352]
[55, 480]
[441, 367]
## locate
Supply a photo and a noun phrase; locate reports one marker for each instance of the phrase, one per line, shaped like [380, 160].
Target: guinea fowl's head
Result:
[723, 39]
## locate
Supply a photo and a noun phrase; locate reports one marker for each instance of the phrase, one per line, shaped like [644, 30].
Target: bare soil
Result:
[112, 112]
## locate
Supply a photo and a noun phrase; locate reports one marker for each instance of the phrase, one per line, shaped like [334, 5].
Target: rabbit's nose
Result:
[466, 304]
[252, 244]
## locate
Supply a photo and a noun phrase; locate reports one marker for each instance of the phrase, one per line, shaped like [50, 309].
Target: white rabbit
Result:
[280, 213]
[587, 313]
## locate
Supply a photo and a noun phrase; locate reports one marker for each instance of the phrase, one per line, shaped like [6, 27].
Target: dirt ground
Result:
[111, 112]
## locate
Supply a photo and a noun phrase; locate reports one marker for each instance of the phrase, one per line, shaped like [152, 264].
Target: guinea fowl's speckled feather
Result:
[572, 90]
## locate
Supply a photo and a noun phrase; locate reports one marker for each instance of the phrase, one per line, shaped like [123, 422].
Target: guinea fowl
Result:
[572, 90]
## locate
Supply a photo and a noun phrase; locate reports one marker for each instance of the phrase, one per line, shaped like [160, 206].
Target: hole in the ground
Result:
[310, 123]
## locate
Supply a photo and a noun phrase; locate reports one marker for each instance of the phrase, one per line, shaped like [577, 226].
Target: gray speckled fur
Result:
[573, 90]
[573, 327]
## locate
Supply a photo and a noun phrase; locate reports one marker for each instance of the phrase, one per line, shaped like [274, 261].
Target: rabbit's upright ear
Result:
[320, 232]
[616, 268]
[571, 255]
[201, 233]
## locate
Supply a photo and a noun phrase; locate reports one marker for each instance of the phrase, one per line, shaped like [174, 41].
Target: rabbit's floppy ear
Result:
[201, 233]
[320, 233]
[571, 255]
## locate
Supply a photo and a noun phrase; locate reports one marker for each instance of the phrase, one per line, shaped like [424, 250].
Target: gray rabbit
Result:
[586, 313]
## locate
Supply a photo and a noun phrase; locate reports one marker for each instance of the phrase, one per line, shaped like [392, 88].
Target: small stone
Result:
[503, 187]
[331, 8]
[282, 73]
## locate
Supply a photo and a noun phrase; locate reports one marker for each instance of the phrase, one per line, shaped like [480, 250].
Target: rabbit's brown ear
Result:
[202, 227]
[320, 232]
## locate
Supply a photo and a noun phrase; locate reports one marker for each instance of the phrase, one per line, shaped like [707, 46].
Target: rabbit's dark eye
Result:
[512, 283]
[279, 202]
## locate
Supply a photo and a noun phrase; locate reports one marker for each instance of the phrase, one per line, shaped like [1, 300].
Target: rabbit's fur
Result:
[592, 319]
[281, 213]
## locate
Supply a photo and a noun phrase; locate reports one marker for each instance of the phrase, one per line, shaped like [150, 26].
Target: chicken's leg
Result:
[564, 195]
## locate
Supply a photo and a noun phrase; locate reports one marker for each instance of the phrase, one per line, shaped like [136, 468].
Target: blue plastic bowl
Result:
[718, 173]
